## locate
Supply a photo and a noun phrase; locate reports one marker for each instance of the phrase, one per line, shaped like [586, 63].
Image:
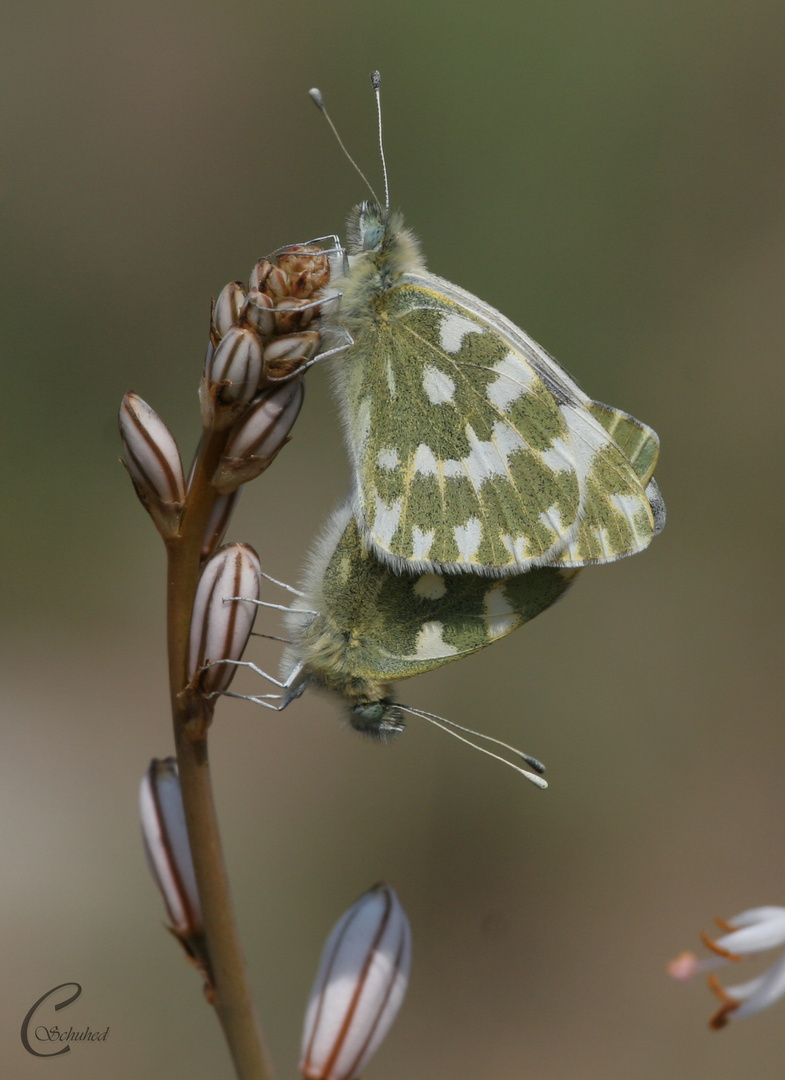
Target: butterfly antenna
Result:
[315, 95]
[376, 83]
[452, 729]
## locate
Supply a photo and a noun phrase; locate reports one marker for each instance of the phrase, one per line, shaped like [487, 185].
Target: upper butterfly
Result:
[472, 448]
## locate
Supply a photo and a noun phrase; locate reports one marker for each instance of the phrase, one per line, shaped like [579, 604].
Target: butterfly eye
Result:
[372, 225]
[379, 719]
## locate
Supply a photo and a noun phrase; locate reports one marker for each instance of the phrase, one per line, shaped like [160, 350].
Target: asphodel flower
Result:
[746, 935]
[359, 987]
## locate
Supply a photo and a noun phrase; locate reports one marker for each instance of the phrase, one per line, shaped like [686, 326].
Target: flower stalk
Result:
[248, 408]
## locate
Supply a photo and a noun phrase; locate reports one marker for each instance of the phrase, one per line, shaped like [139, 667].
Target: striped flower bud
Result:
[285, 355]
[258, 436]
[259, 275]
[292, 315]
[220, 624]
[274, 281]
[228, 306]
[237, 364]
[359, 987]
[166, 846]
[153, 460]
[258, 313]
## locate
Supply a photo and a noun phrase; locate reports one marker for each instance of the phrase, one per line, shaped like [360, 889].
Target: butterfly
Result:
[358, 625]
[471, 448]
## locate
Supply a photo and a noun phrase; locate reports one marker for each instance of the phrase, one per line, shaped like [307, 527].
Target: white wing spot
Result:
[552, 519]
[425, 461]
[604, 541]
[439, 387]
[430, 586]
[390, 379]
[363, 429]
[490, 458]
[468, 538]
[386, 521]
[501, 617]
[559, 456]
[452, 331]
[629, 506]
[430, 643]
[514, 378]
[388, 458]
[421, 544]
[516, 547]
[587, 435]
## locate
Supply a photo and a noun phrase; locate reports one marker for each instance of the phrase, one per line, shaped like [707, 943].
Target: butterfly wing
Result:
[376, 626]
[610, 517]
[472, 448]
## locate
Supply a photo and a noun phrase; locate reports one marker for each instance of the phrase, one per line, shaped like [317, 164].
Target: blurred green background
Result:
[610, 175]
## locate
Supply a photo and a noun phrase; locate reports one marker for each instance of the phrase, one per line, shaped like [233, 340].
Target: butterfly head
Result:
[366, 228]
[381, 720]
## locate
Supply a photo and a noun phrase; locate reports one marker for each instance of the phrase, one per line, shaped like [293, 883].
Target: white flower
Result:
[747, 934]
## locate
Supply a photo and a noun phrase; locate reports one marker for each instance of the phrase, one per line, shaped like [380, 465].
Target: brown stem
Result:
[192, 714]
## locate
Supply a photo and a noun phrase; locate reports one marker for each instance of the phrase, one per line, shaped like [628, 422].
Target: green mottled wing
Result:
[606, 525]
[472, 448]
[375, 625]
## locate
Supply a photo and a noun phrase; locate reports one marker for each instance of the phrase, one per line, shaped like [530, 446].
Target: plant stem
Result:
[230, 992]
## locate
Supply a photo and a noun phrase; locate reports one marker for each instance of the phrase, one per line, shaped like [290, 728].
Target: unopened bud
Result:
[258, 313]
[226, 312]
[221, 623]
[275, 283]
[153, 460]
[292, 315]
[258, 436]
[259, 275]
[166, 846]
[237, 363]
[359, 987]
[285, 355]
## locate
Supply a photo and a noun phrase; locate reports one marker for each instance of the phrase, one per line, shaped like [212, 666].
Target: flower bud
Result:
[153, 460]
[166, 846]
[292, 315]
[275, 283]
[359, 987]
[258, 436]
[286, 354]
[258, 314]
[236, 363]
[226, 312]
[220, 625]
[259, 275]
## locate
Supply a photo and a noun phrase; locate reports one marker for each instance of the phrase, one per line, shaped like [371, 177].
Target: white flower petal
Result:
[755, 936]
[771, 987]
